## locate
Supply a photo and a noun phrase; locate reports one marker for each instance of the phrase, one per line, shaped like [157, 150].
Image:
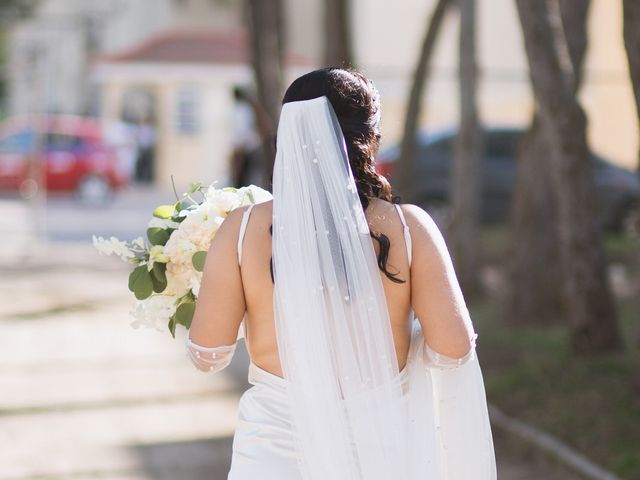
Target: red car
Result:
[73, 153]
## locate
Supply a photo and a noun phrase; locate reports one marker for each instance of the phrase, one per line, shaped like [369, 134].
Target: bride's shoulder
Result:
[423, 228]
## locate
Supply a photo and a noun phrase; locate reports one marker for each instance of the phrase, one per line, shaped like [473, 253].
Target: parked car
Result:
[617, 189]
[72, 151]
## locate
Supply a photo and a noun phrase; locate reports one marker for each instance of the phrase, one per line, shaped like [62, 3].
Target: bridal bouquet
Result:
[168, 264]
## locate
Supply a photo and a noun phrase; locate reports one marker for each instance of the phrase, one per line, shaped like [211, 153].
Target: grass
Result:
[592, 403]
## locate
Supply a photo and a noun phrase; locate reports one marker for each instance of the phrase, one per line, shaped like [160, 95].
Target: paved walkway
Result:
[85, 396]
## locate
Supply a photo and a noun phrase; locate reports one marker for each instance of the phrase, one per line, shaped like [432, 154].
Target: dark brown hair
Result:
[356, 102]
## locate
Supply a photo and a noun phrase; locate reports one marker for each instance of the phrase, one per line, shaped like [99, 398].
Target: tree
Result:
[631, 13]
[408, 148]
[338, 47]
[590, 307]
[466, 175]
[267, 46]
[536, 286]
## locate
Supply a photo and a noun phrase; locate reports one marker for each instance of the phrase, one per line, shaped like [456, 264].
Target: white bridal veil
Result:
[354, 416]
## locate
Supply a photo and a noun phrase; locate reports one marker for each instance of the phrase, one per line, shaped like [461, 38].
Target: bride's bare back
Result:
[229, 287]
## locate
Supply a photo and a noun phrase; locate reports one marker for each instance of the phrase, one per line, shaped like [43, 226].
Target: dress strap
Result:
[243, 228]
[407, 233]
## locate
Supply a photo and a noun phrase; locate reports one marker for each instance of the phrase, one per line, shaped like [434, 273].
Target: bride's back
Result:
[429, 287]
[258, 285]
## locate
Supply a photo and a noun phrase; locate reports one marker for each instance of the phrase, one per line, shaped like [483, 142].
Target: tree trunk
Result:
[267, 45]
[536, 294]
[408, 150]
[338, 48]
[631, 10]
[535, 275]
[572, 15]
[590, 307]
[466, 175]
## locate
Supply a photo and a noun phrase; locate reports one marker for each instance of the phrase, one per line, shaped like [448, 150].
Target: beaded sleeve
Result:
[209, 359]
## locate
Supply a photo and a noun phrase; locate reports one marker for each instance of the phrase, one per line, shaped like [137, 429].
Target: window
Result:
[22, 142]
[62, 142]
[187, 119]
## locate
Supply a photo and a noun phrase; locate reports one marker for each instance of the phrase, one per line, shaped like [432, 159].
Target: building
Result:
[386, 43]
[182, 82]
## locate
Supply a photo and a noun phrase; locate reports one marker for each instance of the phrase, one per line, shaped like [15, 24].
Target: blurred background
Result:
[513, 122]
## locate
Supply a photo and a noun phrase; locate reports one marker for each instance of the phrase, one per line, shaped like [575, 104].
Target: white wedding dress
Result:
[264, 446]
[342, 410]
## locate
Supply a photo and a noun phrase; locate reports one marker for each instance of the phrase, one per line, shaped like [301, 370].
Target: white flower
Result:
[195, 282]
[221, 201]
[154, 312]
[201, 225]
[139, 243]
[179, 279]
[156, 253]
[179, 248]
[113, 246]
[162, 223]
[254, 194]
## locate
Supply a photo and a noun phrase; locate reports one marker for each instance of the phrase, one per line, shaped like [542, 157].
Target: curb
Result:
[553, 447]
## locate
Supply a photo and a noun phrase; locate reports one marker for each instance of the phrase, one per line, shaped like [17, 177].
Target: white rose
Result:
[255, 193]
[179, 248]
[221, 201]
[179, 279]
[200, 227]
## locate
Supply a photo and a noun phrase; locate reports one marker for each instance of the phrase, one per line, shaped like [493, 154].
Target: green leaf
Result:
[198, 260]
[184, 314]
[159, 277]
[194, 187]
[164, 211]
[140, 282]
[158, 235]
[172, 325]
[252, 199]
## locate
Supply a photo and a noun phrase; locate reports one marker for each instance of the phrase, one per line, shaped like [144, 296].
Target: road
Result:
[84, 395]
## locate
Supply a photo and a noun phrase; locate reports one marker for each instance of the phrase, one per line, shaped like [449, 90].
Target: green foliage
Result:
[181, 205]
[195, 187]
[158, 236]
[164, 212]
[140, 282]
[159, 277]
[198, 260]
[531, 374]
[184, 314]
[172, 326]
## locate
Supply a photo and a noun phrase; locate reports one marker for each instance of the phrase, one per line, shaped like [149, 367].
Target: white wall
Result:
[388, 36]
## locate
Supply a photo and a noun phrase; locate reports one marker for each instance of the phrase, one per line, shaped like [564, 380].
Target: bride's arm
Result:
[459, 399]
[220, 306]
[436, 296]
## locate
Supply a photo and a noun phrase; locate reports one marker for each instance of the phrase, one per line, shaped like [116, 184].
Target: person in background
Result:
[146, 139]
[245, 156]
[122, 136]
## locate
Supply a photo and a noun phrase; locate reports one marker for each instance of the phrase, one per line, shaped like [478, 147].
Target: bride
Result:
[362, 350]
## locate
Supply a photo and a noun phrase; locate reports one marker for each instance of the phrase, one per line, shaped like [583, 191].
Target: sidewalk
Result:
[87, 396]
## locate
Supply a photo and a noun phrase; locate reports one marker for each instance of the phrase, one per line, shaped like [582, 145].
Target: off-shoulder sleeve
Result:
[438, 360]
[209, 359]
[462, 418]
